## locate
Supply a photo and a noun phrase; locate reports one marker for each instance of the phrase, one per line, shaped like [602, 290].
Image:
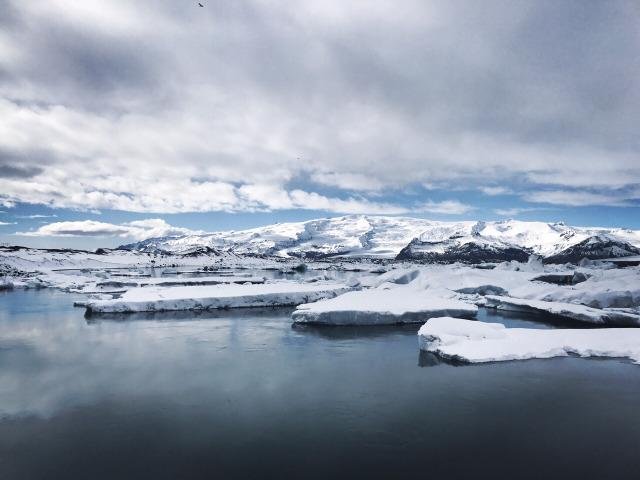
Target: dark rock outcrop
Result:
[594, 248]
[471, 253]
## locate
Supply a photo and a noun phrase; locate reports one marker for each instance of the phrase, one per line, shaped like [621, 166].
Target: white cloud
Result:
[272, 197]
[7, 223]
[577, 198]
[34, 216]
[496, 190]
[509, 212]
[138, 230]
[177, 109]
[348, 181]
[446, 207]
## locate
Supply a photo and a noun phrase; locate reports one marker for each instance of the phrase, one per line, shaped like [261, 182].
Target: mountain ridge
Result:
[407, 238]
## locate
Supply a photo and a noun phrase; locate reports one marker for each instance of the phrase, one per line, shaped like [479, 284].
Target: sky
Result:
[122, 120]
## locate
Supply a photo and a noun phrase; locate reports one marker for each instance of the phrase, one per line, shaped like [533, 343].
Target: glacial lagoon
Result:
[244, 394]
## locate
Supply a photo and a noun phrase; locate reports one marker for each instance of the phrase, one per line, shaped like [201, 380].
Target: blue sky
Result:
[132, 119]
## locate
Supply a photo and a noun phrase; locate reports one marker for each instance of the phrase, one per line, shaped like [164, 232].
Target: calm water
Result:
[245, 395]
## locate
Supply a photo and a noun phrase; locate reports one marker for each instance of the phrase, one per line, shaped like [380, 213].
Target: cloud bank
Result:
[138, 230]
[249, 105]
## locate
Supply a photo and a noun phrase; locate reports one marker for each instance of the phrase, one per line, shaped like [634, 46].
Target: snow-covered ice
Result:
[570, 311]
[149, 299]
[475, 342]
[175, 282]
[389, 306]
[603, 289]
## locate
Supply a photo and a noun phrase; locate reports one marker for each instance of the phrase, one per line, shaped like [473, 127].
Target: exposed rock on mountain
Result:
[407, 239]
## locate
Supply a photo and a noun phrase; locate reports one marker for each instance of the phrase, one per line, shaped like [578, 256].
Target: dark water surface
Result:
[244, 395]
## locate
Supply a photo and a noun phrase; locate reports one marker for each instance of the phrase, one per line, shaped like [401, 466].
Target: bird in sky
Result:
[200, 5]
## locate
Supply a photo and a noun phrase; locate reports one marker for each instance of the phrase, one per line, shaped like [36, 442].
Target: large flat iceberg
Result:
[580, 313]
[174, 282]
[209, 297]
[476, 342]
[377, 307]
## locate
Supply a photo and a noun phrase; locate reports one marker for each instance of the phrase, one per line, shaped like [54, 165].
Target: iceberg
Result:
[209, 297]
[603, 289]
[571, 311]
[175, 282]
[378, 307]
[475, 342]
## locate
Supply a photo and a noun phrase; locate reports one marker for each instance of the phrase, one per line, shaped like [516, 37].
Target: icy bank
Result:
[475, 342]
[571, 311]
[376, 307]
[151, 299]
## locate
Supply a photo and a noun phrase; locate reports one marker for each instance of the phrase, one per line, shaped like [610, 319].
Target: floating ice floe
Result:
[93, 297]
[150, 299]
[175, 282]
[603, 289]
[376, 307]
[399, 276]
[571, 311]
[476, 342]
[562, 278]
[469, 280]
[130, 274]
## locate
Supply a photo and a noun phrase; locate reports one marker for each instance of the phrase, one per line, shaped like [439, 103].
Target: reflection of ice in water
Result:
[50, 358]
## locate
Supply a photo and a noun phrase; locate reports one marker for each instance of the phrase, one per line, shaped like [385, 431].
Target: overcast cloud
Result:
[252, 105]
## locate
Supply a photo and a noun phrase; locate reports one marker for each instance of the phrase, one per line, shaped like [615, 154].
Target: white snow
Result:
[400, 276]
[149, 299]
[384, 237]
[571, 311]
[182, 281]
[475, 342]
[375, 307]
[623, 260]
[605, 288]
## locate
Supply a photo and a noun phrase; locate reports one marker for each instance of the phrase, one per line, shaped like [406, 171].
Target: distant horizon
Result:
[90, 239]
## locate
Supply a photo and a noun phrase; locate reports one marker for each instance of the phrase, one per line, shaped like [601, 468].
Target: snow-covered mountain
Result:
[407, 238]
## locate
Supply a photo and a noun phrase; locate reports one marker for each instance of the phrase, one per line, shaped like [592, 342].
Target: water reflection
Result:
[243, 394]
[190, 315]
